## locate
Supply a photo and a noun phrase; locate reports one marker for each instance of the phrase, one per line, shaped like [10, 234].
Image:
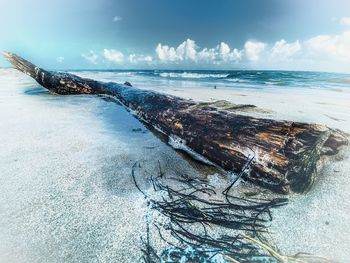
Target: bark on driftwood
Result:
[283, 155]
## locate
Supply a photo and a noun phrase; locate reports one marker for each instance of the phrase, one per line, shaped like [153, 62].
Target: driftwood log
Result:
[283, 156]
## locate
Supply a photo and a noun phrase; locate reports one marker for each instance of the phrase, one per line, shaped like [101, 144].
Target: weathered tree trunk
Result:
[284, 155]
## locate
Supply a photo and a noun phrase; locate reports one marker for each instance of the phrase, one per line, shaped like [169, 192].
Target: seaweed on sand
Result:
[192, 204]
[204, 225]
[149, 253]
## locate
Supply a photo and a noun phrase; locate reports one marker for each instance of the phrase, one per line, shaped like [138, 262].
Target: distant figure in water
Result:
[127, 83]
[215, 87]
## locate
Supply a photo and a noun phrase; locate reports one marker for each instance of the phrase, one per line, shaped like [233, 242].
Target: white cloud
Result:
[322, 52]
[113, 55]
[189, 51]
[253, 50]
[283, 50]
[60, 59]
[91, 57]
[330, 47]
[135, 59]
[166, 53]
[224, 50]
[225, 53]
[345, 21]
[207, 54]
[117, 18]
[185, 51]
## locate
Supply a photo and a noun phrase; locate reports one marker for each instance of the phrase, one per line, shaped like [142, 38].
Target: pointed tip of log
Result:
[60, 83]
[21, 64]
[5, 53]
[9, 57]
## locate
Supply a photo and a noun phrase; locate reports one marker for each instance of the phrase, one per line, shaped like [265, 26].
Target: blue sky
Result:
[181, 34]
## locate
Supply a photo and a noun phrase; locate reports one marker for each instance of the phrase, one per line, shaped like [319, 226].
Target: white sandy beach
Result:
[65, 163]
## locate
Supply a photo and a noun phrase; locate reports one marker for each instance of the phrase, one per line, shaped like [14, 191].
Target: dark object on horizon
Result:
[127, 83]
[137, 130]
[283, 155]
[215, 87]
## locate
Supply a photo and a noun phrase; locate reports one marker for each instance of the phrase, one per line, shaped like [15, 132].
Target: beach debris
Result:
[287, 154]
[150, 255]
[137, 130]
[205, 224]
[127, 83]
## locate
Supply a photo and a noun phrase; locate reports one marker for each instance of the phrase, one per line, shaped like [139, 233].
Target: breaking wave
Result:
[191, 75]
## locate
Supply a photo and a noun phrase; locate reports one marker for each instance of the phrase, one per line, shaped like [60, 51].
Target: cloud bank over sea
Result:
[320, 52]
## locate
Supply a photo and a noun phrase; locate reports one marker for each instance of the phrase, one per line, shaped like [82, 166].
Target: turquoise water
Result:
[235, 79]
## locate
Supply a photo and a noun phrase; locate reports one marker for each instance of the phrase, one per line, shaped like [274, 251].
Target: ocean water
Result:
[230, 79]
[65, 163]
